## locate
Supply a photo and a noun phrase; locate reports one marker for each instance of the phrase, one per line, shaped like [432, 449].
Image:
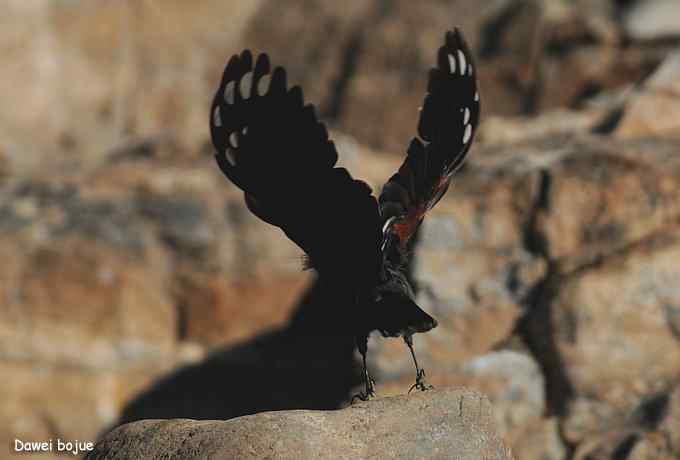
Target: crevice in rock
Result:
[182, 321]
[610, 121]
[589, 90]
[535, 327]
[385, 8]
[333, 109]
[347, 65]
[541, 343]
[532, 92]
[652, 411]
[651, 240]
[534, 241]
[492, 32]
[539, 307]
[624, 449]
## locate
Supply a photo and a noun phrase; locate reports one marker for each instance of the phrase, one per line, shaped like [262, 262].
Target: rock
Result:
[217, 309]
[436, 424]
[471, 269]
[379, 52]
[43, 401]
[396, 49]
[585, 20]
[615, 312]
[143, 77]
[600, 196]
[592, 70]
[520, 216]
[654, 110]
[540, 439]
[502, 131]
[650, 431]
[318, 66]
[663, 442]
[5, 167]
[116, 276]
[143, 252]
[652, 19]
[515, 386]
[279, 370]
[127, 258]
[84, 275]
[572, 201]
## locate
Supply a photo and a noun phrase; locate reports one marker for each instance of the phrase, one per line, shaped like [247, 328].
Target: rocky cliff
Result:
[432, 425]
[136, 284]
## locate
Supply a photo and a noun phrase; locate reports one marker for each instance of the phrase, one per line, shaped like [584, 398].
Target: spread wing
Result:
[270, 144]
[448, 121]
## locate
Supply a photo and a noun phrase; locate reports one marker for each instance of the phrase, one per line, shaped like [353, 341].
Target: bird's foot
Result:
[363, 396]
[367, 394]
[421, 384]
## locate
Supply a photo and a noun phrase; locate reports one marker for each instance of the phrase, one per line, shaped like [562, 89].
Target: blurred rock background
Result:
[134, 283]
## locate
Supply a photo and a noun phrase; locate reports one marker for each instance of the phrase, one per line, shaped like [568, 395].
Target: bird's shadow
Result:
[304, 365]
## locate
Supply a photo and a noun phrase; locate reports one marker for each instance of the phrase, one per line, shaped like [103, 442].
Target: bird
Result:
[271, 144]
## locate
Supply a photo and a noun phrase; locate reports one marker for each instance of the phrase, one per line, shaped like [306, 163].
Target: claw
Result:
[369, 389]
[363, 396]
[421, 384]
[367, 394]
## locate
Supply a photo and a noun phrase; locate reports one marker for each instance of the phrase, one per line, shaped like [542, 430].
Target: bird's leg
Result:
[420, 384]
[369, 385]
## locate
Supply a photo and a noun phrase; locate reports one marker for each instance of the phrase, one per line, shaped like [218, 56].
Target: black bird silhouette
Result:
[270, 144]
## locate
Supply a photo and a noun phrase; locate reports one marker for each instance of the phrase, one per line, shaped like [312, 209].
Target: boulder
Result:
[654, 109]
[598, 196]
[650, 432]
[620, 312]
[652, 19]
[42, 401]
[144, 78]
[379, 53]
[114, 277]
[429, 425]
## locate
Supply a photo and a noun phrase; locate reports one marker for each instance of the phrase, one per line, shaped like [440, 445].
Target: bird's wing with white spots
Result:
[270, 144]
[447, 125]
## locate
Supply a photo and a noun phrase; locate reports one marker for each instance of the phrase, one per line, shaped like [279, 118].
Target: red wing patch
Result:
[448, 121]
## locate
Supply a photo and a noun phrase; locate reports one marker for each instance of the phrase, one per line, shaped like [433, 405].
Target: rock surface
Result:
[523, 49]
[440, 424]
[652, 19]
[653, 109]
[135, 284]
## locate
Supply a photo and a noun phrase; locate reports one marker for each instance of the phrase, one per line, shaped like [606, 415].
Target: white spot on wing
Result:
[233, 139]
[470, 70]
[388, 223]
[263, 84]
[244, 131]
[466, 116]
[452, 63]
[229, 92]
[231, 156]
[246, 85]
[476, 96]
[461, 62]
[217, 118]
[467, 134]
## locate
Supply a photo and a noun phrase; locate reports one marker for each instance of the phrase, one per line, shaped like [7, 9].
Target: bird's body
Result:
[270, 144]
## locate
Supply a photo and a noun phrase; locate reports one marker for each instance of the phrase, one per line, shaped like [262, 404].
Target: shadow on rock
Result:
[309, 364]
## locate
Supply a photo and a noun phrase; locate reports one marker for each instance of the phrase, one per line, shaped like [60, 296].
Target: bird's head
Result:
[396, 312]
